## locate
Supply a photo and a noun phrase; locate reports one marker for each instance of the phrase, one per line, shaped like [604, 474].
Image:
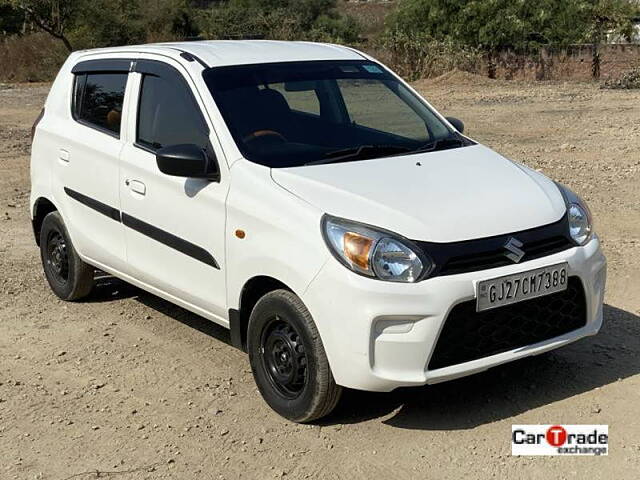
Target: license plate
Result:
[518, 287]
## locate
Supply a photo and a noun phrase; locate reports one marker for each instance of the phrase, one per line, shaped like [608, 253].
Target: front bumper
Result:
[379, 336]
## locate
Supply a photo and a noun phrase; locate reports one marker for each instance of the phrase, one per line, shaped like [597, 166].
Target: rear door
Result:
[174, 227]
[88, 143]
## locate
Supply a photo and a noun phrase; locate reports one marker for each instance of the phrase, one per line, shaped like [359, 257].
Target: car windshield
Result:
[304, 113]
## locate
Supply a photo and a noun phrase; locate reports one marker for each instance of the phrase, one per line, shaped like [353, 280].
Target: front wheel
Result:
[288, 360]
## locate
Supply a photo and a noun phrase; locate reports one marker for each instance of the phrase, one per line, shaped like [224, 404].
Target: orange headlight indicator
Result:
[357, 248]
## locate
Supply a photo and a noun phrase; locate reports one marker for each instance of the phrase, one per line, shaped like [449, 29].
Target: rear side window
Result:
[98, 99]
[168, 114]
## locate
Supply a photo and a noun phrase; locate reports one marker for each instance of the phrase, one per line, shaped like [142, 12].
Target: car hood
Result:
[450, 195]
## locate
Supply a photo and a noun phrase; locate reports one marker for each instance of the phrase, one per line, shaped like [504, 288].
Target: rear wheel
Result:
[288, 360]
[69, 277]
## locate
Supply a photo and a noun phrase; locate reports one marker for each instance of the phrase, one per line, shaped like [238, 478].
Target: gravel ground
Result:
[126, 384]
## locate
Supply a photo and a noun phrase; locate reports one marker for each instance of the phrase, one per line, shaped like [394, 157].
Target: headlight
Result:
[374, 252]
[580, 220]
[579, 224]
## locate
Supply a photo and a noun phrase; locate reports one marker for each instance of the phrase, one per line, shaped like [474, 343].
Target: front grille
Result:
[473, 263]
[468, 335]
[484, 253]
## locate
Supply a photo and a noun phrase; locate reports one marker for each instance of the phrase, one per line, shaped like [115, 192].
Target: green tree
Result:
[53, 16]
[604, 18]
[316, 20]
[492, 24]
[520, 25]
[171, 19]
[108, 22]
[11, 20]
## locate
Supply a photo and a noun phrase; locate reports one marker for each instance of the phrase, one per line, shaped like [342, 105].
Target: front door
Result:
[174, 227]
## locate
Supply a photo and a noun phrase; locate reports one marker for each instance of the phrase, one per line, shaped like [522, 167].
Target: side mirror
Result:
[187, 160]
[457, 124]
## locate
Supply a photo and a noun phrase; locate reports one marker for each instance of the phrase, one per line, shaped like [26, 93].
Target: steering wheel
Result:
[264, 133]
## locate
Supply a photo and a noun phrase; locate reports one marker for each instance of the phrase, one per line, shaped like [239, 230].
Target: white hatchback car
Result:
[308, 199]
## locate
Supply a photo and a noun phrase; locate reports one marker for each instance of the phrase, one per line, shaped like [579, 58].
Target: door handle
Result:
[137, 186]
[64, 155]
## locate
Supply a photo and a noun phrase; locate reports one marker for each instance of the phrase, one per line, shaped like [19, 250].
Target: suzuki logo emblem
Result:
[515, 253]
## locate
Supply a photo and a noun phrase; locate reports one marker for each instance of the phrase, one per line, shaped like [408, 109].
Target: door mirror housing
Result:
[187, 160]
[457, 124]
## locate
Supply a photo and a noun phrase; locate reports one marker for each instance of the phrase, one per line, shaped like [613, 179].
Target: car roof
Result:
[242, 52]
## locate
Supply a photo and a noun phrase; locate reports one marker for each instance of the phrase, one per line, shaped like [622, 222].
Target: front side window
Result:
[300, 113]
[168, 114]
[98, 99]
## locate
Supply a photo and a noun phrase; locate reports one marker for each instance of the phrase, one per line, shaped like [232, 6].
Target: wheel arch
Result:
[253, 290]
[41, 208]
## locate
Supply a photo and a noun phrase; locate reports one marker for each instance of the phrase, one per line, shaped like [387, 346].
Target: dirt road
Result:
[128, 383]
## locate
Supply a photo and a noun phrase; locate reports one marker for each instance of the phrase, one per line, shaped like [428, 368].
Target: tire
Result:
[69, 277]
[288, 361]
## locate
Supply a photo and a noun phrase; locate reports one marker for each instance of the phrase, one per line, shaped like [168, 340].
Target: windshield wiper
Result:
[362, 152]
[442, 144]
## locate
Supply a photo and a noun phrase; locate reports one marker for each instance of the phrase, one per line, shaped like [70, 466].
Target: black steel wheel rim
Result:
[283, 357]
[57, 257]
